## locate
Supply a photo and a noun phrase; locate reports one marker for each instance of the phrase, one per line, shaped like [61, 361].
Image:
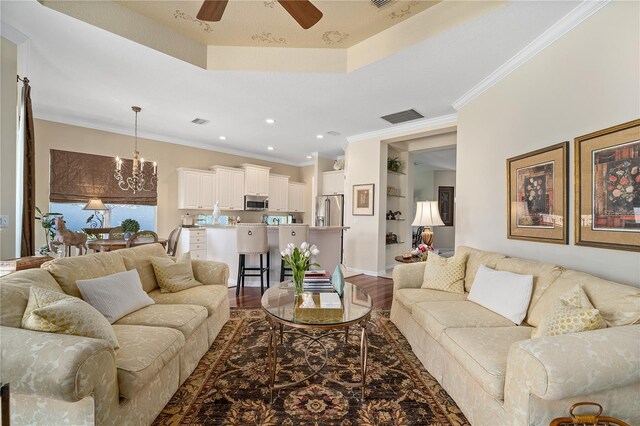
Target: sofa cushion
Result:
[446, 274]
[482, 352]
[138, 258]
[144, 352]
[572, 313]
[209, 296]
[475, 258]
[502, 292]
[115, 295]
[185, 318]
[174, 276]
[435, 317]
[408, 297]
[618, 304]
[544, 274]
[68, 270]
[14, 293]
[56, 312]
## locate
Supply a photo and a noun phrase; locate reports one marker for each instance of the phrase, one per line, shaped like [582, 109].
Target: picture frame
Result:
[538, 195]
[363, 199]
[445, 204]
[607, 188]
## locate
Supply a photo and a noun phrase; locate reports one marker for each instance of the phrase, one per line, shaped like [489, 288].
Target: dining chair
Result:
[131, 242]
[172, 242]
[116, 233]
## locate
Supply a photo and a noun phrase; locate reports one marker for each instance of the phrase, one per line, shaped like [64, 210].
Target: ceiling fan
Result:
[303, 11]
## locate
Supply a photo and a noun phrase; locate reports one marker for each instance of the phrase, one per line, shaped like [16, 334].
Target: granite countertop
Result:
[315, 228]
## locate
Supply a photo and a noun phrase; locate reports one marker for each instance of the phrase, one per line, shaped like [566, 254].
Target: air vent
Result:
[200, 121]
[380, 3]
[402, 116]
[334, 133]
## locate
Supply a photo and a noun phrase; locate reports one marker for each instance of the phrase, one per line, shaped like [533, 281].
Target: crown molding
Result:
[415, 126]
[550, 36]
[10, 33]
[56, 117]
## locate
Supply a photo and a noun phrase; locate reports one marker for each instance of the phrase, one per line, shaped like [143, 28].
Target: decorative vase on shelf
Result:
[216, 214]
[298, 260]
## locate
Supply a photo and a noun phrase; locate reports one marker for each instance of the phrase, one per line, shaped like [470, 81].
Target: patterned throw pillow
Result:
[445, 274]
[56, 312]
[572, 313]
[174, 276]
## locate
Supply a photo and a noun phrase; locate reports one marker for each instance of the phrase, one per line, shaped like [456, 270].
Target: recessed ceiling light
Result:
[270, 148]
[309, 157]
[319, 136]
[223, 138]
[269, 121]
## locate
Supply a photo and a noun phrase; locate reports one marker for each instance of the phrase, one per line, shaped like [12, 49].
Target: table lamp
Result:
[97, 205]
[427, 215]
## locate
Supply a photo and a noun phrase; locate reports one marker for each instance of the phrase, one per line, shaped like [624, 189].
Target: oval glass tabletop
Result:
[281, 302]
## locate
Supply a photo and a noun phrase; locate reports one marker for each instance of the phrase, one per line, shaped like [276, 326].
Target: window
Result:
[75, 218]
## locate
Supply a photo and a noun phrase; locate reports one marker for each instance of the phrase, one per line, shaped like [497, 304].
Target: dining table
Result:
[120, 243]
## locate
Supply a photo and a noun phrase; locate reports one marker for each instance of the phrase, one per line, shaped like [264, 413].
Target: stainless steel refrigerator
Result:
[330, 212]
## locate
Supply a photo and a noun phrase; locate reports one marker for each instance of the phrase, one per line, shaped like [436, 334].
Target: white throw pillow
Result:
[502, 292]
[116, 295]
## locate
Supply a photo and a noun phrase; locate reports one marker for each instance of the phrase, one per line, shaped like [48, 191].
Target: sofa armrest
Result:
[209, 272]
[409, 275]
[558, 367]
[59, 366]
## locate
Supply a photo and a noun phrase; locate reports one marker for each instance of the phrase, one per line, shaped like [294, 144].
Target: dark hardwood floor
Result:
[380, 289]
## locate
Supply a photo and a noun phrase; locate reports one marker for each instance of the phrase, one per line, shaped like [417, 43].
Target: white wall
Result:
[586, 81]
[8, 92]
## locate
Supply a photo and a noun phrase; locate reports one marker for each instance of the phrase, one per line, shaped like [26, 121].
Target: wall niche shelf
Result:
[397, 242]
[396, 173]
[396, 196]
[396, 220]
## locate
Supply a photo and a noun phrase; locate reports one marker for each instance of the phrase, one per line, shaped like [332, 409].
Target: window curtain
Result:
[77, 177]
[27, 245]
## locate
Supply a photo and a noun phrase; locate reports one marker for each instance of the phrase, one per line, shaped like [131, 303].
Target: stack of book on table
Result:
[318, 281]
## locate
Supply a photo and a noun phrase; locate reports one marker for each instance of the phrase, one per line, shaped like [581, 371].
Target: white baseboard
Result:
[366, 272]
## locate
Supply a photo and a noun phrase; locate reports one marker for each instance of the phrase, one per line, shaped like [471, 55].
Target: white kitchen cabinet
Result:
[193, 240]
[333, 182]
[256, 180]
[278, 193]
[296, 197]
[229, 188]
[196, 189]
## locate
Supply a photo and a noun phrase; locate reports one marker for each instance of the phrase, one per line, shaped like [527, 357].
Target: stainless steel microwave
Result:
[256, 202]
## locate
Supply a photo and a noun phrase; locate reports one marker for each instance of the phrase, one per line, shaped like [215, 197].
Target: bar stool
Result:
[252, 238]
[296, 234]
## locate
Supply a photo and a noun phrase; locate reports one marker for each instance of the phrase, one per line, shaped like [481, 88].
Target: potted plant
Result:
[129, 226]
[47, 220]
[394, 164]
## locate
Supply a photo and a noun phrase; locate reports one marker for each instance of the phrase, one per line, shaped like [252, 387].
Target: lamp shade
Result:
[95, 204]
[427, 214]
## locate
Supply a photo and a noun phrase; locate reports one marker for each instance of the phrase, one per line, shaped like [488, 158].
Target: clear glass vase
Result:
[298, 280]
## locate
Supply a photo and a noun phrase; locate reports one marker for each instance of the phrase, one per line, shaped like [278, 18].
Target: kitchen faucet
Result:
[276, 221]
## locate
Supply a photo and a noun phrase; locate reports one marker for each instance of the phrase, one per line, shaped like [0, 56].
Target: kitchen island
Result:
[221, 246]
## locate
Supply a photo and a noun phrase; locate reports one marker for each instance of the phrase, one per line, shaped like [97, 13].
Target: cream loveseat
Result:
[61, 379]
[496, 373]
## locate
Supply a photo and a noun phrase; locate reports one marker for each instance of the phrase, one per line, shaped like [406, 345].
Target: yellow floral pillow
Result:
[572, 313]
[445, 274]
[174, 276]
[56, 312]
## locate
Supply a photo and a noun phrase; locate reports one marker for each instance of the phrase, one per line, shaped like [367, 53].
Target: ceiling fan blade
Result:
[303, 11]
[212, 10]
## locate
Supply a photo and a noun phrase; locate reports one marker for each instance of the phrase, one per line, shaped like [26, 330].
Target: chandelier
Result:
[136, 182]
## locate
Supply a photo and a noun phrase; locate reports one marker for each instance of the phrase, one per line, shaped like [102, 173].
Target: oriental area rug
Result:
[230, 384]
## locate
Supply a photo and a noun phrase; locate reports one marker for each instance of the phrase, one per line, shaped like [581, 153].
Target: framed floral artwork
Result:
[363, 199]
[538, 195]
[607, 180]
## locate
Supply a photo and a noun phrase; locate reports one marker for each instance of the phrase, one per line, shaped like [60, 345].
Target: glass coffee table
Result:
[284, 308]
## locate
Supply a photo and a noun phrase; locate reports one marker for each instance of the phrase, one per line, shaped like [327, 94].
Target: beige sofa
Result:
[65, 379]
[495, 372]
